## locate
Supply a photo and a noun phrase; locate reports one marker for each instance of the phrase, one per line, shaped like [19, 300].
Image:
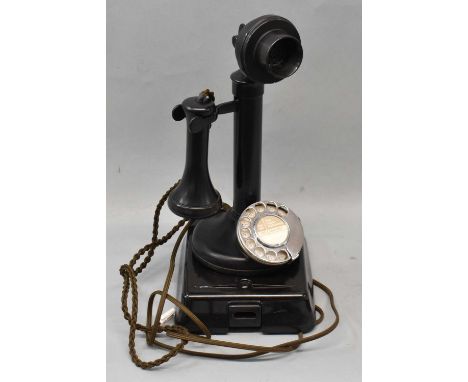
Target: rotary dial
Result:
[270, 233]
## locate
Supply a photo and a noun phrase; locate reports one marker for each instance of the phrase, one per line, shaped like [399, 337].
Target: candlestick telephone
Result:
[245, 267]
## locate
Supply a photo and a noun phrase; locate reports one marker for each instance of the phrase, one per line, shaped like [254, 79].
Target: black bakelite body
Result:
[278, 302]
[219, 283]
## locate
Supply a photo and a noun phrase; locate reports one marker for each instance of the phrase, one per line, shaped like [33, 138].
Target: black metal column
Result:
[247, 140]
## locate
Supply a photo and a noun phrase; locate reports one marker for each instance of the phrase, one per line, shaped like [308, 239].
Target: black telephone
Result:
[246, 267]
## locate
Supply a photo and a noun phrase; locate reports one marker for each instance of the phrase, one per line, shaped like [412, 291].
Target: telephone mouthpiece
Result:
[268, 49]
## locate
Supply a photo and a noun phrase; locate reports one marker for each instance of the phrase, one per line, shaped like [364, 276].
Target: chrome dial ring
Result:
[270, 233]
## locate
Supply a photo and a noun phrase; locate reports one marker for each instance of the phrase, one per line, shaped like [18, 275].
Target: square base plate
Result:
[279, 302]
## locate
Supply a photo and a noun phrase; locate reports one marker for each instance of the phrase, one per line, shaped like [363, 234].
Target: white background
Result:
[52, 159]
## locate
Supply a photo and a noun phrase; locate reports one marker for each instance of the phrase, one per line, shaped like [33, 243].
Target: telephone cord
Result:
[154, 327]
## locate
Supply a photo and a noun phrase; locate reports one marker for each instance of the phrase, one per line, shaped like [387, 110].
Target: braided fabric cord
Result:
[154, 327]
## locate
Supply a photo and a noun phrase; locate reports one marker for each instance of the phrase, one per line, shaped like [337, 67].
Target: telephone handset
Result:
[245, 267]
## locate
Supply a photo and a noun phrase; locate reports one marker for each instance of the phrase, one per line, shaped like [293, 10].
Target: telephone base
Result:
[280, 302]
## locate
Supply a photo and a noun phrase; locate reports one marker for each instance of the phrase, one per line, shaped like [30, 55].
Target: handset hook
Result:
[195, 197]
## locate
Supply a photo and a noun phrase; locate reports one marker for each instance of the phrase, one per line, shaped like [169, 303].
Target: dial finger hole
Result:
[282, 211]
[270, 256]
[259, 252]
[245, 233]
[260, 207]
[250, 213]
[271, 207]
[282, 255]
[244, 222]
[250, 244]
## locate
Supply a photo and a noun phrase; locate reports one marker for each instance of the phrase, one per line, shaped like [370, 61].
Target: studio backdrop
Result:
[160, 52]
